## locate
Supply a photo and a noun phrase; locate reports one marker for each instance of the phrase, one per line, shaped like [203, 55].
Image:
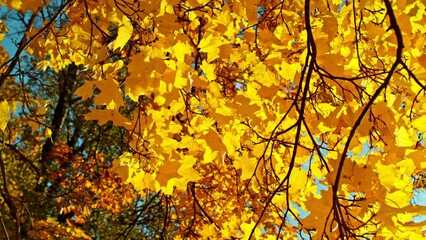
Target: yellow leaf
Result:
[208, 230]
[325, 109]
[210, 45]
[407, 166]
[4, 114]
[398, 199]
[298, 181]
[387, 175]
[203, 2]
[48, 133]
[420, 123]
[181, 78]
[121, 165]
[125, 31]
[247, 228]
[140, 80]
[403, 138]
[16, 4]
[323, 128]
[209, 155]
[167, 172]
[180, 50]
[110, 94]
[264, 76]
[208, 70]
[288, 71]
[246, 164]
[186, 170]
[231, 142]
[224, 110]
[86, 90]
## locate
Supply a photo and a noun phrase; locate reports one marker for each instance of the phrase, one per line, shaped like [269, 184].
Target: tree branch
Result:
[24, 158]
[9, 201]
[398, 60]
[25, 41]
[68, 75]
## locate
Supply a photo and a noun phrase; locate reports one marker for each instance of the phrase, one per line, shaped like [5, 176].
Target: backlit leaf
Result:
[125, 31]
[4, 114]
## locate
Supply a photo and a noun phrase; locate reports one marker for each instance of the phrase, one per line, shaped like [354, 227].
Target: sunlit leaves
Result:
[110, 93]
[404, 137]
[15, 4]
[125, 31]
[180, 50]
[247, 227]
[247, 165]
[333, 104]
[210, 45]
[420, 123]
[268, 110]
[4, 114]
[50, 227]
[24, 6]
[208, 70]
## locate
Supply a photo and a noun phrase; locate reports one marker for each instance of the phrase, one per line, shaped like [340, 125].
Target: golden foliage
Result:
[262, 119]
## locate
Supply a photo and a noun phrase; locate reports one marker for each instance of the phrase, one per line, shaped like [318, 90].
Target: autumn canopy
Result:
[212, 119]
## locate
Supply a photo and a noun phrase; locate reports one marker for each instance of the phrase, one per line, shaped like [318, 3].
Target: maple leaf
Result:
[247, 227]
[125, 31]
[180, 50]
[105, 115]
[167, 171]
[420, 123]
[242, 119]
[4, 114]
[86, 90]
[110, 95]
[247, 165]
[16, 4]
